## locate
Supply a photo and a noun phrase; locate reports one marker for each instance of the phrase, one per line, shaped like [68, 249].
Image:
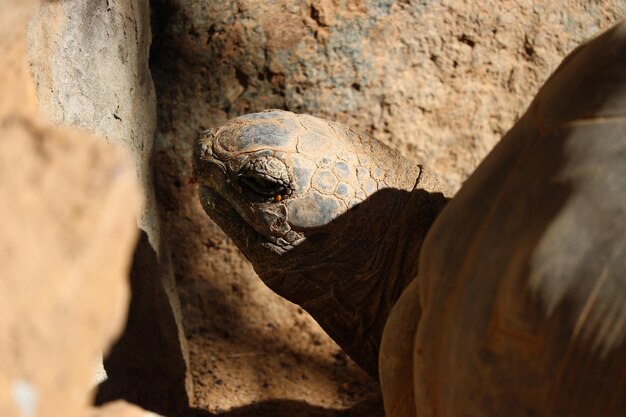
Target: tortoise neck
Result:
[399, 251]
[350, 289]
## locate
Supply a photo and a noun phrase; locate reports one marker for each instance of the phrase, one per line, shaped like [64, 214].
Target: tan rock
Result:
[90, 62]
[67, 232]
[18, 92]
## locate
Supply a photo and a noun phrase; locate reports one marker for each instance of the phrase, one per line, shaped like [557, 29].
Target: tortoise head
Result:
[315, 206]
[273, 179]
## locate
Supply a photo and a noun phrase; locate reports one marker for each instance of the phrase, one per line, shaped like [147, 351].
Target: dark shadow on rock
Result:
[146, 366]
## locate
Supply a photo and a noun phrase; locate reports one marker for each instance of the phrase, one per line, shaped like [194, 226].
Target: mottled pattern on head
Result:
[317, 169]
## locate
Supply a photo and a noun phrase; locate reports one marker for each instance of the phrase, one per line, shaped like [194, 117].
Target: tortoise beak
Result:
[217, 193]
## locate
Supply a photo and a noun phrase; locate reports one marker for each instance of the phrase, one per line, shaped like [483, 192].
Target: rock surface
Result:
[68, 228]
[90, 62]
[440, 80]
[67, 234]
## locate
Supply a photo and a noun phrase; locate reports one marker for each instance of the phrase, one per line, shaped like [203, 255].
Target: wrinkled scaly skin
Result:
[519, 307]
[334, 185]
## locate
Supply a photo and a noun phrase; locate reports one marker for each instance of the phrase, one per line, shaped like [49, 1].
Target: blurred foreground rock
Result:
[90, 63]
[68, 230]
[67, 233]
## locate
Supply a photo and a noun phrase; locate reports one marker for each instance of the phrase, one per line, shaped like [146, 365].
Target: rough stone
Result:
[439, 80]
[68, 228]
[90, 63]
[94, 75]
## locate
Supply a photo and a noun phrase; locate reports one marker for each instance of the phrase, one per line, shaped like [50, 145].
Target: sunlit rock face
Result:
[68, 229]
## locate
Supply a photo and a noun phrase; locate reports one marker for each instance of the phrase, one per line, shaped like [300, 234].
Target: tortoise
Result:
[508, 299]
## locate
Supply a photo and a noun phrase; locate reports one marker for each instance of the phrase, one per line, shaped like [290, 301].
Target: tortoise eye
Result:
[259, 187]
